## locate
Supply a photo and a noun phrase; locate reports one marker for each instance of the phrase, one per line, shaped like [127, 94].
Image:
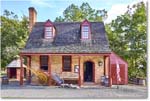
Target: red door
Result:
[114, 74]
[122, 74]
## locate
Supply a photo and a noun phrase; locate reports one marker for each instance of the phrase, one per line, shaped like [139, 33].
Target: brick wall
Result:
[18, 73]
[35, 64]
[99, 70]
[56, 66]
[32, 17]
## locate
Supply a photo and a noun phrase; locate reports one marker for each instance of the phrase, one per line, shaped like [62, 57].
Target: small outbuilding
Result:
[13, 69]
[119, 70]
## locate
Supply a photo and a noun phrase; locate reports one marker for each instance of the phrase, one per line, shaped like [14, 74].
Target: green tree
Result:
[75, 13]
[59, 19]
[14, 34]
[127, 36]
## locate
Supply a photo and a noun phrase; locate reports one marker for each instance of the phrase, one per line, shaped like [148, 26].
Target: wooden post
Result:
[21, 71]
[8, 72]
[110, 79]
[79, 81]
[104, 65]
[49, 70]
[29, 67]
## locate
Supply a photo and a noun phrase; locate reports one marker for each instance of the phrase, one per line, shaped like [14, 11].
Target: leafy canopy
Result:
[127, 37]
[14, 34]
[75, 13]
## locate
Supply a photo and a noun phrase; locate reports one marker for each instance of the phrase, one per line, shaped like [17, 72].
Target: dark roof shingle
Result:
[67, 39]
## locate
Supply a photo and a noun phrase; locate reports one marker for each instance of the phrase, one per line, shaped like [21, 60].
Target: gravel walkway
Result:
[28, 91]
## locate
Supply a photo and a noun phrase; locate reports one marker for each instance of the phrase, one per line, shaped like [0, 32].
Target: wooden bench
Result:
[70, 80]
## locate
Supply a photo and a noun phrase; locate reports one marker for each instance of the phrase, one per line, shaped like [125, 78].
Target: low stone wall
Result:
[138, 81]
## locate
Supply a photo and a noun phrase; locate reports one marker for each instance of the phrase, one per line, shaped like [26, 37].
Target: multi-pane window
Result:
[85, 32]
[66, 63]
[44, 62]
[48, 32]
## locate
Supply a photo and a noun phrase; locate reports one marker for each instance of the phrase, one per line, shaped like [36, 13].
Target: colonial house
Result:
[74, 50]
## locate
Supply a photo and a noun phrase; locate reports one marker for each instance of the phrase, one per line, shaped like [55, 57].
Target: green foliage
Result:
[74, 13]
[13, 36]
[59, 19]
[127, 36]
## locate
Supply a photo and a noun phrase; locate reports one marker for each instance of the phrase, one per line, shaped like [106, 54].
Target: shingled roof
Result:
[67, 39]
[15, 64]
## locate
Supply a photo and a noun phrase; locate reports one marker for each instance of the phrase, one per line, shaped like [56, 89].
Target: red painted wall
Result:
[123, 69]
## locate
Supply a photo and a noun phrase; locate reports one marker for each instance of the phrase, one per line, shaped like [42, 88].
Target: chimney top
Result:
[32, 8]
[32, 17]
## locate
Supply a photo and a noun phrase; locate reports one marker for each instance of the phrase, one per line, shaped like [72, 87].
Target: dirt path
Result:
[28, 91]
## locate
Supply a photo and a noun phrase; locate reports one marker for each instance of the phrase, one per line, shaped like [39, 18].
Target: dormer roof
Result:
[48, 23]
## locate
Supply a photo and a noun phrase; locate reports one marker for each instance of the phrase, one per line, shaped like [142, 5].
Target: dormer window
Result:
[49, 30]
[85, 30]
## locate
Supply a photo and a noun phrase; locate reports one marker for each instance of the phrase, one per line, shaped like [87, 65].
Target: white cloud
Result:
[119, 9]
[115, 11]
[41, 3]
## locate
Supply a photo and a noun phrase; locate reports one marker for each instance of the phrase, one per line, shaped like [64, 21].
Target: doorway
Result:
[12, 72]
[88, 72]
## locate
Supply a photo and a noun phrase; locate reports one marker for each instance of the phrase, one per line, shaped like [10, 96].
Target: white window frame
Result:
[48, 32]
[85, 32]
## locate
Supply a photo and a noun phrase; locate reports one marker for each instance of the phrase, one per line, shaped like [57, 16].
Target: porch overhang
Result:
[23, 54]
[78, 54]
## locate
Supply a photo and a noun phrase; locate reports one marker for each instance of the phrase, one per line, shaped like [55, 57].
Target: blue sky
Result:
[50, 9]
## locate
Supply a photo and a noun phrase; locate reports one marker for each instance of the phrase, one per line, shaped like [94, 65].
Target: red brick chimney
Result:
[32, 17]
